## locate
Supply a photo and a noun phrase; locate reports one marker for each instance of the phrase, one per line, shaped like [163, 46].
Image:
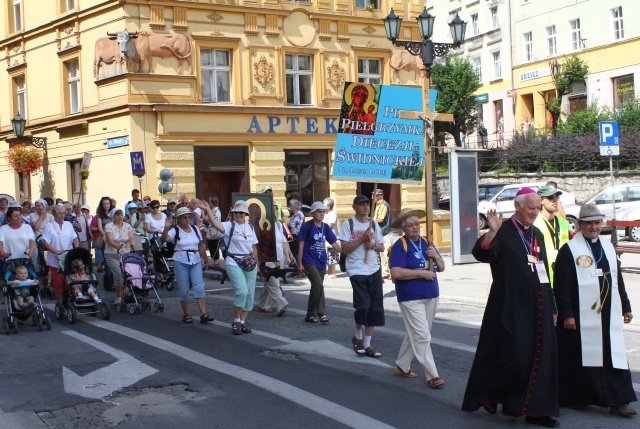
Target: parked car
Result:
[625, 195]
[632, 232]
[502, 201]
[488, 190]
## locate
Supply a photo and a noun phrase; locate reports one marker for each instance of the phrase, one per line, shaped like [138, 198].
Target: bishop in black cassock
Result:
[592, 307]
[515, 361]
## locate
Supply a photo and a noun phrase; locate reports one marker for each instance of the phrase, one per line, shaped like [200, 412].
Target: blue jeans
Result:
[186, 274]
[244, 286]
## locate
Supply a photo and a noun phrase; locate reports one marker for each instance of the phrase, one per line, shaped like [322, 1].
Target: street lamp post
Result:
[17, 124]
[428, 51]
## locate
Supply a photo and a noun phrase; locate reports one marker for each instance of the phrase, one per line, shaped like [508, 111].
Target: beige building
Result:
[230, 96]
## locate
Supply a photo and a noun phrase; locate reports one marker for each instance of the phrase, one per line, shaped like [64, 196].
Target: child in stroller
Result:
[138, 283]
[20, 285]
[80, 278]
[162, 262]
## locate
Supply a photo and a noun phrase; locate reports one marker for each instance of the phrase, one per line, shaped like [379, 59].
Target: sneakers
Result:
[118, 301]
[79, 297]
[97, 300]
[623, 410]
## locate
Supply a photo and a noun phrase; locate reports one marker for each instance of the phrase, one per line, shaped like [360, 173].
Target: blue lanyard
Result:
[419, 250]
[591, 250]
[527, 243]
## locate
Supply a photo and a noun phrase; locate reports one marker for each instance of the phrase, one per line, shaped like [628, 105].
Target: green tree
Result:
[585, 121]
[456, 83]
[574, 70]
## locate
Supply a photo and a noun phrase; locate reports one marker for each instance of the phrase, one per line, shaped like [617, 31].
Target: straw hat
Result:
[407, 213]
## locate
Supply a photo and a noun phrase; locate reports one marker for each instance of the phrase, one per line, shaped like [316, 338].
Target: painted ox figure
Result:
[107, 52]
[142, 47]
[401, 59]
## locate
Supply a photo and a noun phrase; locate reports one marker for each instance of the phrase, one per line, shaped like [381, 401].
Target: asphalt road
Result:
[151, 370]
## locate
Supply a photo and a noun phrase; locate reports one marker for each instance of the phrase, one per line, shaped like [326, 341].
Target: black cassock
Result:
[578, 385]
[515, 362]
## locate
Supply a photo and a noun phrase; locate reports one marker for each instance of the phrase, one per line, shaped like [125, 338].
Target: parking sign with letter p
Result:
[609, 138]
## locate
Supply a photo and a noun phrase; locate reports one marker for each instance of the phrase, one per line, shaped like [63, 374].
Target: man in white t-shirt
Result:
[362, 242]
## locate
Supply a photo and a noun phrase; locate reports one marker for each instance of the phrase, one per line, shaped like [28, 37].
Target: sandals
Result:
[311, 319]
[358, 346]
[281, 312]
[324, 319]
[369, 352]
[409, 374]
[245, 330]
[434, 383]
[205, 318]
[236, 329]
[187, 318]
[489, 407]
[267, 310]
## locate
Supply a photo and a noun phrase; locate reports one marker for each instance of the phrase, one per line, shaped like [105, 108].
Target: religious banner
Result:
[374, 143]
[261, 218]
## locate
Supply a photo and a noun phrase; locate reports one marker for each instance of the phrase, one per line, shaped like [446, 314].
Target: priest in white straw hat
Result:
[592, 308]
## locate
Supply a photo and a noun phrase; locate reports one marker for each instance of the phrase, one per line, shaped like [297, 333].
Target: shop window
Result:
[495, 21]
[299, 72]
[617, 27]
[527, 47]
[216, 75]
[368, 4]
[307, 175]
[552, 47]
[20, 96]
[574, 33]
[24, 186]
[15, 15]
[72, 96]
[77, 193]
[369, 71]
[497, 66]
[623, 89]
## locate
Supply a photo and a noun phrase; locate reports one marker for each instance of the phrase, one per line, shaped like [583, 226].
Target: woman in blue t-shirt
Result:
[312, 255]
[417, 292]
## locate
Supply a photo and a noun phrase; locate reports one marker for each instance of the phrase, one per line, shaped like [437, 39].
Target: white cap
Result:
[85, 207]
[318, 206]
[132, 206]
[240, 207]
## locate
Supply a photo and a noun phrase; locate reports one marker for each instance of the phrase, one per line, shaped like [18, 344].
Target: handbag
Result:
[100, 243]
[211, 233]
[245, 262]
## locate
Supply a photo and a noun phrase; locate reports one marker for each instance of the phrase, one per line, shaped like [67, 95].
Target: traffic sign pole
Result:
[610, 146]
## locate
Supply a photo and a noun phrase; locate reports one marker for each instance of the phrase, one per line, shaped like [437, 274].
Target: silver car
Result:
[625, 195]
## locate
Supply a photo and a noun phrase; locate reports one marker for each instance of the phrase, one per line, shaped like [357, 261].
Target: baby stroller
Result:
[162, 263]
[43, 272]
[74, 305]
[138, 283]
[14, 313]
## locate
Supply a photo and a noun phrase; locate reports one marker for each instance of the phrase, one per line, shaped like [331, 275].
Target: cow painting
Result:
[142, 47]
[400, 59]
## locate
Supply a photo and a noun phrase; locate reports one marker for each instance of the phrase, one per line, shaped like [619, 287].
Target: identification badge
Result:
[532, 259]
[596, 273]
[542, 272]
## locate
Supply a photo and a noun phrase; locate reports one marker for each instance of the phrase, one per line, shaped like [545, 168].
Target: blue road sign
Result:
[609, 138]
[137, 163]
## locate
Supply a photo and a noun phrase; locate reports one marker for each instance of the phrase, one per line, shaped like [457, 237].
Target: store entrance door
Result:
[221, 184]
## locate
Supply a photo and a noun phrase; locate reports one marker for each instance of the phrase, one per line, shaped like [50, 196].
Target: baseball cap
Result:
[172, 201]
[85, 207]
[360, 199]
[132, 206]
[266, 189]
[378, 192]
[318, 206]
[548, 191]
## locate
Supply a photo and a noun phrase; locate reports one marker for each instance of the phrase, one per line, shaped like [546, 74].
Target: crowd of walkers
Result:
[552, 330]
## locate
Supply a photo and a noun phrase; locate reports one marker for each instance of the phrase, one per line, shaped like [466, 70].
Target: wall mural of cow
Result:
[400, 59]
[141, 47]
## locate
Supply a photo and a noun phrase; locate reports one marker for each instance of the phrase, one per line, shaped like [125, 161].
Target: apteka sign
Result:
[374, 144]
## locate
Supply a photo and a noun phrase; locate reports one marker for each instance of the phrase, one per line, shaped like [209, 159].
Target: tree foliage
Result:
[574, 70]
[456, 83]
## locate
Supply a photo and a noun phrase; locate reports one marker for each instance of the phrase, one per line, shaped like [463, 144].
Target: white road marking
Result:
[104, 381]
[286, 391]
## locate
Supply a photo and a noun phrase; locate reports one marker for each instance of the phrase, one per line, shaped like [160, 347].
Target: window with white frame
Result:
[527, 47]
[73, 79]
[17, 15]
[495, 22]
[21, 95]
[617, 27]
[299, 79]
[476, 63]
[215, 67]
[366, 4]
[369, 71]
[575, 37]
[71, 4]
[497, 66]
[552, 47]
[475, 26]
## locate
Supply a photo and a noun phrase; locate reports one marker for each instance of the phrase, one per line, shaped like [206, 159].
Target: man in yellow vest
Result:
[554, 228]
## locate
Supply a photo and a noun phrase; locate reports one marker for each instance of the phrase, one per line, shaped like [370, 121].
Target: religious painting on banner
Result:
[261, 216]
[374, 143]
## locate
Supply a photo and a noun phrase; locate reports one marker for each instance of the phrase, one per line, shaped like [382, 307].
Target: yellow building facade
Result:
[256, 104]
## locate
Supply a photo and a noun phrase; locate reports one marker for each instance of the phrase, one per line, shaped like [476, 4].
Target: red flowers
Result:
[24, 159]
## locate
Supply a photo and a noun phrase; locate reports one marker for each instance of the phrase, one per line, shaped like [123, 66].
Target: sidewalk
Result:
[470, 283]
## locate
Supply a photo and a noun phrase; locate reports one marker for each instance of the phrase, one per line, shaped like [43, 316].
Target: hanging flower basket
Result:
[84, 173]
[25, 159]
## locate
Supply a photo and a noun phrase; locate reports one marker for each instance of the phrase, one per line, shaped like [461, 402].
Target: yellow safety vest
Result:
[549, 243]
